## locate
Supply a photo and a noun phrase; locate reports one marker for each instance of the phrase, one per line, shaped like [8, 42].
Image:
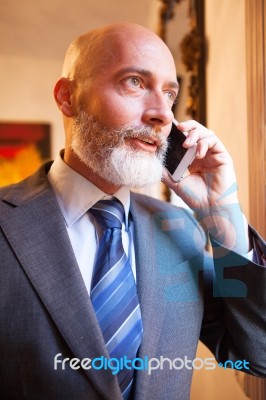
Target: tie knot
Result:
[109, 213]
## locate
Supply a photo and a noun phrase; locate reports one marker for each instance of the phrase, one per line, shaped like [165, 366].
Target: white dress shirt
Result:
[76, 195]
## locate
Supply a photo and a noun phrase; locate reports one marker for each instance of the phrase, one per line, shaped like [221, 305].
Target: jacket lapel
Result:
[149, 289]
[35, 228]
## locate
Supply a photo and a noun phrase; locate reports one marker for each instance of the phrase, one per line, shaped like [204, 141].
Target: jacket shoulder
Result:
[30, 187]
[153, 205]
[167, 215]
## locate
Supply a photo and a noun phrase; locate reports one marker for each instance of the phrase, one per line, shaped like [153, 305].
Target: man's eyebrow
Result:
[173, 84]
[144, 72]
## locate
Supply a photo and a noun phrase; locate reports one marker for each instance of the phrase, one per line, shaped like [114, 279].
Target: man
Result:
[116, 94]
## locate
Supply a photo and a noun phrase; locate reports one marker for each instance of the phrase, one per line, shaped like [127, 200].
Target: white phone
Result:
[178, 159]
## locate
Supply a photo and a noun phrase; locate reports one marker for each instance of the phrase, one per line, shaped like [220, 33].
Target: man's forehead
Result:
[115, 44]
[119, 56]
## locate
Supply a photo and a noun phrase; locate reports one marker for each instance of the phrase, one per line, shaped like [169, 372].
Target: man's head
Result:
[116, 93]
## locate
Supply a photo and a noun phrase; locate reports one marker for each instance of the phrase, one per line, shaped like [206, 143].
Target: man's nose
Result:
[157, 112]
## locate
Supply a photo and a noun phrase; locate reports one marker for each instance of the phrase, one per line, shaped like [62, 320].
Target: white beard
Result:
[104, 152]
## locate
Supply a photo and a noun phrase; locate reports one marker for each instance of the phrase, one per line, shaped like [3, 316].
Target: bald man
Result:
[116, 94]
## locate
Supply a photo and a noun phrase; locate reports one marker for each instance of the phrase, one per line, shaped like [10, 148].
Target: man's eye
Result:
[133, 81]
[171, 96]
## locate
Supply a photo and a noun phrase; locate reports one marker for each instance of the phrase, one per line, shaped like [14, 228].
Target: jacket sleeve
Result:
[234, 323]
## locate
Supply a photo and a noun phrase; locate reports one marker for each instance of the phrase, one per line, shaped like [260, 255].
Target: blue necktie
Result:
[113, 291]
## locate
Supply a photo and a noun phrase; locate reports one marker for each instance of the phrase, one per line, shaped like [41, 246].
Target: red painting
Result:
[23, 148]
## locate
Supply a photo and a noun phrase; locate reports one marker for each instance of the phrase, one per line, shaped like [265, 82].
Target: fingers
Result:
[190, 125]
[204, 138]
[204, 144]
[168, 180]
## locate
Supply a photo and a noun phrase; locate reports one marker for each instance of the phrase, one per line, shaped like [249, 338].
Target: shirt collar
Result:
[76, 195]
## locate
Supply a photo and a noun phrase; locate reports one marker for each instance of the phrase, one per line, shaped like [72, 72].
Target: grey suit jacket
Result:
[45, 309]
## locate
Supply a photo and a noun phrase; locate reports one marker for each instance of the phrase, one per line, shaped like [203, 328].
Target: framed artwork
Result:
[23, 148]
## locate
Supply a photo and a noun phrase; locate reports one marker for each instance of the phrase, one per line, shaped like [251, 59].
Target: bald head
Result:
[119, 78]
[101, 47]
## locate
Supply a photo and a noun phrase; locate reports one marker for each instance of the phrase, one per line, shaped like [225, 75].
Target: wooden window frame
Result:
[256, 115]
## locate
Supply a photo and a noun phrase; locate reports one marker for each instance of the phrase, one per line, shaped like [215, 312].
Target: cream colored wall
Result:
[27, 93]
[226, 83]
[34, 38]
[226, 115]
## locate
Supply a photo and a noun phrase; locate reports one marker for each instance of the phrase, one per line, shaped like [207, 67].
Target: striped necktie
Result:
[113, 291]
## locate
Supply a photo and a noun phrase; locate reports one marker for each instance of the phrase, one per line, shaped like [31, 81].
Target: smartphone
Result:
[178, 159]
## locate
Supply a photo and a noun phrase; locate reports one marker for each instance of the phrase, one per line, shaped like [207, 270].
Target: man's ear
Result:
[63, 94]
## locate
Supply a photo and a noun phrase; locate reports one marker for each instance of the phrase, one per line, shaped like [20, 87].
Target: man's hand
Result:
[211, 189]
[211, 174]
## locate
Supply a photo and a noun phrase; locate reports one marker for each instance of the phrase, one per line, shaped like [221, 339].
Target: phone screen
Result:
[175, 151]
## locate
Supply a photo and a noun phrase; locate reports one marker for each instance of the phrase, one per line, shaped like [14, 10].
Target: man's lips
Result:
[149, 144]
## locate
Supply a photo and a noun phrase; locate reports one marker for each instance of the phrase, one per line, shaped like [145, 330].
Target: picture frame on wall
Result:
[24, 146]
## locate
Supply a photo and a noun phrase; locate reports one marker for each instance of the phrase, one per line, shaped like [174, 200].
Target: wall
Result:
[226, 83]
[226, 115]
[34, 38]
[27, 93]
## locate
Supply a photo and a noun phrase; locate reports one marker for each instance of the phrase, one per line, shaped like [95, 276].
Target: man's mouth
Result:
[148, 144]
[145, 140]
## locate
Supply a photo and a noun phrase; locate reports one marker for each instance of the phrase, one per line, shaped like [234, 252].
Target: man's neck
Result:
[74, 162]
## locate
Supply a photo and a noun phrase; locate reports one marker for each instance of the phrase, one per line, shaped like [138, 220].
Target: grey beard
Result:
[103, 151]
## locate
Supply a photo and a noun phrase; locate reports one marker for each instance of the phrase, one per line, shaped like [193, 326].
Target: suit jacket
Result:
[45, 308]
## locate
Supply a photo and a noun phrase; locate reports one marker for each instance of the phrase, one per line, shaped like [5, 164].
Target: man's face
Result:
[125, 110]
